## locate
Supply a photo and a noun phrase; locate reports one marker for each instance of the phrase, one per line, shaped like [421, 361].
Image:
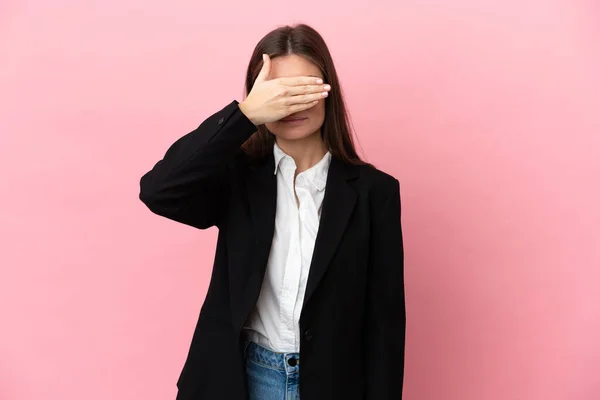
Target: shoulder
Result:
[380, 191]
[376, 182]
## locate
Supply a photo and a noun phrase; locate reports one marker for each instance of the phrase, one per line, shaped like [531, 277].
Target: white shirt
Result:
[274, 321]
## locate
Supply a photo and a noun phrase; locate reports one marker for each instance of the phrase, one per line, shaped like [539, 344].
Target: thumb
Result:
[265, 70]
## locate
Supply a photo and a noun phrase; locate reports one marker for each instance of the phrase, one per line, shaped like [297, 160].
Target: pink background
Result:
[488, 113]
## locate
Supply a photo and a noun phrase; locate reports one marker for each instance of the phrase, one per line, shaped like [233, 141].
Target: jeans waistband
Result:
[270, 359]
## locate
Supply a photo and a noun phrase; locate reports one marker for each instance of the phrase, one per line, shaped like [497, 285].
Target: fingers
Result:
[299, 80]
[307, 89]
[265, 70]
[305, 98]
[301, 107]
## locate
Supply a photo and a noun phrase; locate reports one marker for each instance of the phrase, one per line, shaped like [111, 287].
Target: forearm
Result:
[194, 168]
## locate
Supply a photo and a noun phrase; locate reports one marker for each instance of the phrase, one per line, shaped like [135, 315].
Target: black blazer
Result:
[353, 317]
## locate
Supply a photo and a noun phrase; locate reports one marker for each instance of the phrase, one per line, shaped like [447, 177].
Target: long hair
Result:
[304, 41]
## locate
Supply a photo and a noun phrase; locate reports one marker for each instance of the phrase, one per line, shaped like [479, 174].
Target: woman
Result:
[306, 298]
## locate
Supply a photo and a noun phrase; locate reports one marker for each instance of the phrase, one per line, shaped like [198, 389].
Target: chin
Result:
[282, 131]
[292, 134]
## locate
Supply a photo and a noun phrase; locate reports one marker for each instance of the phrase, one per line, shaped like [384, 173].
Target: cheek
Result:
[318, 111]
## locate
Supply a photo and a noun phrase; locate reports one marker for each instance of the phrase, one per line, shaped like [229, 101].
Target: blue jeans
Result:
[271, 376]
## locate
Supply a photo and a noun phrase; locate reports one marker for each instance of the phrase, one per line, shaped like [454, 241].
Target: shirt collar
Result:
[316, 175]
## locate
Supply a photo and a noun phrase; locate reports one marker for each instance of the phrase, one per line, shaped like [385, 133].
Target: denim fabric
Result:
[270, 375]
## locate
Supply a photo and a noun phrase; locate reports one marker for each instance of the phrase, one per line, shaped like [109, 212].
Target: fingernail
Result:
[319, 81]
[264, 57]
[327, 87]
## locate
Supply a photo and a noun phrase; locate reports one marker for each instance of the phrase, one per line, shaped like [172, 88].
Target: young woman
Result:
[306, 298]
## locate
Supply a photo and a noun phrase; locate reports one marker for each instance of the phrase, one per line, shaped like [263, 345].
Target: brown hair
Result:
[304, 41]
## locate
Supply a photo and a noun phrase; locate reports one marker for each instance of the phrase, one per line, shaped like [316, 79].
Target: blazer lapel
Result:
[338, 204]
[262, 193]
[261, 186]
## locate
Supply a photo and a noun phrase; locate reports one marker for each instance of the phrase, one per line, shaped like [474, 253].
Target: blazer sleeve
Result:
[385, 322]
[191, 183]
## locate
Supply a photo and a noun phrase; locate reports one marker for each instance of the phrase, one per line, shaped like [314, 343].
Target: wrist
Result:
[248, 113]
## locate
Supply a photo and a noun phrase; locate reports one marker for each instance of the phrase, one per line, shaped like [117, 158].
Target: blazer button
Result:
[308, 334]
[221, 120]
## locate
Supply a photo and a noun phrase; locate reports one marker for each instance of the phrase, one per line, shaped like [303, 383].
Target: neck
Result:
[306, 152]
